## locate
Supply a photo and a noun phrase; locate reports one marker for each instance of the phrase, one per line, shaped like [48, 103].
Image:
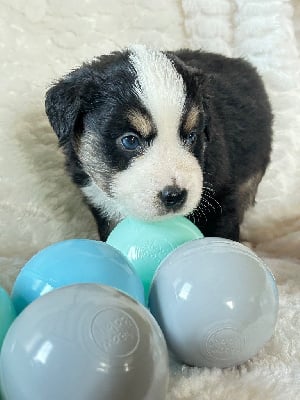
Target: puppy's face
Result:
[135, 126]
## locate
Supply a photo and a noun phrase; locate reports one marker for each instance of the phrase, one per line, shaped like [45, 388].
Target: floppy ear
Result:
[78, 93]
[65, 100]
[62, 107]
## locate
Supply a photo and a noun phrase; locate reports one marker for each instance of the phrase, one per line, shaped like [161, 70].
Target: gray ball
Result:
[216, 302]
[84, 342]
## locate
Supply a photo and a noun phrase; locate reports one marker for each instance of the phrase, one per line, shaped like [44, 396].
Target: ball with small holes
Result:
[84, 342]
[216, 302]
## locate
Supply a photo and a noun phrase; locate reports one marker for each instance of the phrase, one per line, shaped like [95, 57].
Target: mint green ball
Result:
[7, 314]
[146, 244]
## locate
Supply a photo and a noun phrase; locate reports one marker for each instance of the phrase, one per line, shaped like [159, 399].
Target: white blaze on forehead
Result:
[160, 87]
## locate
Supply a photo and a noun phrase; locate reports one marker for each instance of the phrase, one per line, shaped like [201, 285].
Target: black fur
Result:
[236, 120]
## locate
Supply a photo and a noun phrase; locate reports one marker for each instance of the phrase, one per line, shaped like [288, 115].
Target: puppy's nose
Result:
[173, 197]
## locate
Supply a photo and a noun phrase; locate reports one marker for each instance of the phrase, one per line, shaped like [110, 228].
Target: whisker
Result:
[198, 213]
[202, 213]
[209, 189]
[208, 197]
[207, 204]
[193, 218]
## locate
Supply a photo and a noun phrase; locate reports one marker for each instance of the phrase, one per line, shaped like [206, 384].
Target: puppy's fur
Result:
[151, 134]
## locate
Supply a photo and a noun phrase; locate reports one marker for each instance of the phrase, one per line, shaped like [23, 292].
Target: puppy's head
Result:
[133, 125]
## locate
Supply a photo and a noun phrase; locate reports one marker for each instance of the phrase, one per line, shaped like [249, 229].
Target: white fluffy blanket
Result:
[43, 39]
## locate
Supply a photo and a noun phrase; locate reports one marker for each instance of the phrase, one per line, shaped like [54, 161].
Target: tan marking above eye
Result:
[192, 119]
[140, 122]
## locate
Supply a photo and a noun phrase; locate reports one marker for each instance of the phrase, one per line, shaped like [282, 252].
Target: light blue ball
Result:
[75, 261]
[216, 302]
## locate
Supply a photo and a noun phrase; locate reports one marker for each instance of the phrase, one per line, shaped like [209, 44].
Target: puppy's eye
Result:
[191, 138]
[130, 142]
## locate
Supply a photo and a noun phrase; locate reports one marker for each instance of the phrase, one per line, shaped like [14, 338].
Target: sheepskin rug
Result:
[40, 40]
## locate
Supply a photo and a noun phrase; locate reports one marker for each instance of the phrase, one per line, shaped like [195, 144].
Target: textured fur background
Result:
[43, 39]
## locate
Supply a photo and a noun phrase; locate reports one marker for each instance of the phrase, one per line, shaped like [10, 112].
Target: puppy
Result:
[153, 134]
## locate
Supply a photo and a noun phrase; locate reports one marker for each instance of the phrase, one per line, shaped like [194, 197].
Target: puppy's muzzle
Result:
[173, 197]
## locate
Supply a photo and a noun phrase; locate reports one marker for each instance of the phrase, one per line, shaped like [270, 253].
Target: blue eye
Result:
[130, 142]
[191, 138]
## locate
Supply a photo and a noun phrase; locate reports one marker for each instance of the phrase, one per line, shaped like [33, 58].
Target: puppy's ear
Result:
[63, 105]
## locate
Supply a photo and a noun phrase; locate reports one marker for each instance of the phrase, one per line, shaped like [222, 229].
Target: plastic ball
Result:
[75, 261]
[146, 244]
[216, 302]
[7, 313]
[84, 342]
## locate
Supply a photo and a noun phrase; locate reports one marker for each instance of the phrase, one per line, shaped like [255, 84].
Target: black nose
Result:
[173, 197]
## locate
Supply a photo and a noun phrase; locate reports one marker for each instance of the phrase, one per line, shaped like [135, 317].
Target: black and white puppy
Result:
[153, 134]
